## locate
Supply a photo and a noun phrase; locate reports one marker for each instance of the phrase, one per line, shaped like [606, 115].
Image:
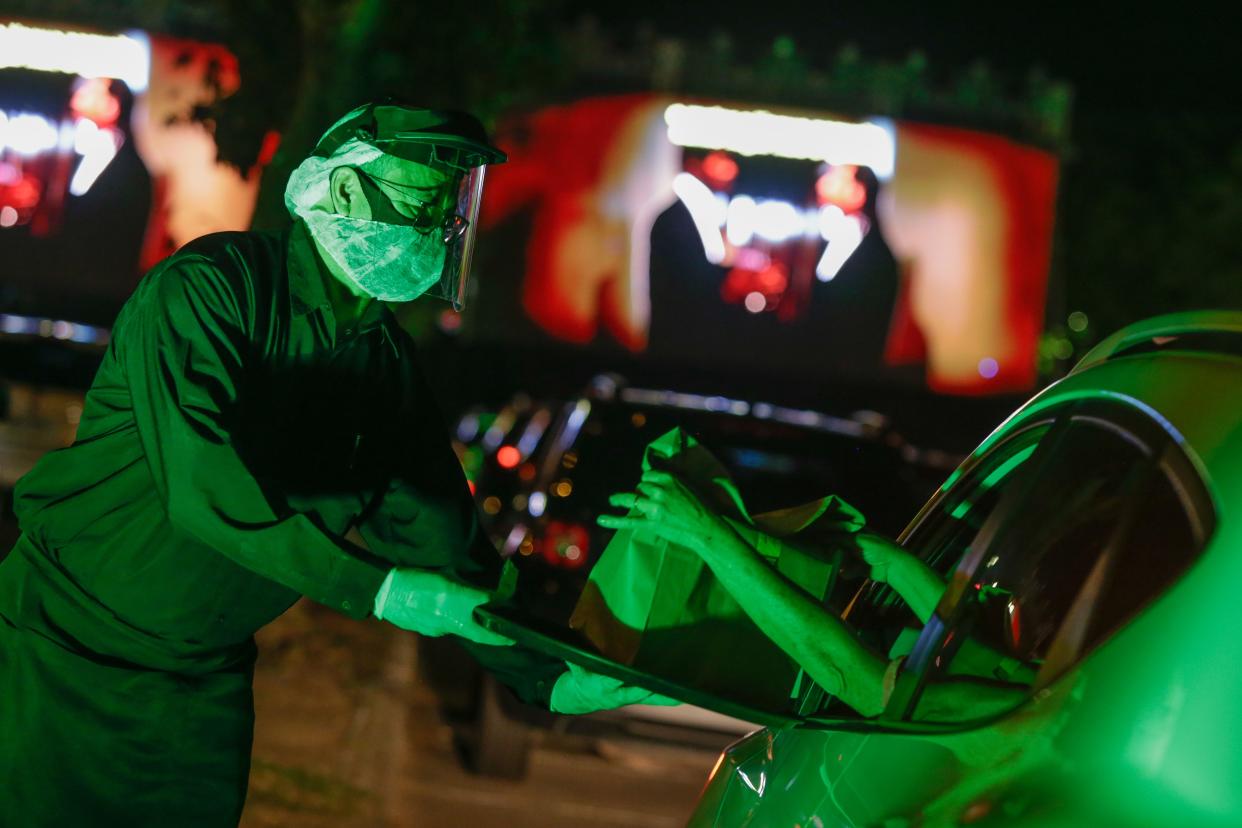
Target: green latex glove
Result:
[431, 603]
[580, 691]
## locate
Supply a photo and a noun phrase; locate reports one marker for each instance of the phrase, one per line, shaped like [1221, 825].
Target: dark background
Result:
[1152, 157]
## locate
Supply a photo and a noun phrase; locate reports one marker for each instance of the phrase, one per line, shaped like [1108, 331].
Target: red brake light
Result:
[566, 545]
[508, 457]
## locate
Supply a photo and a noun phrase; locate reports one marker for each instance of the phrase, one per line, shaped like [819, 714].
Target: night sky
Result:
[1116, 58]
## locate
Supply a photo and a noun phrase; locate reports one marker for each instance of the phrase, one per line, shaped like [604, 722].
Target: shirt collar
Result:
[306, 273]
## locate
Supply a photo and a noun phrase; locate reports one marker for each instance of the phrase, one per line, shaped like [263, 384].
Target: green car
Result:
[1091, 548]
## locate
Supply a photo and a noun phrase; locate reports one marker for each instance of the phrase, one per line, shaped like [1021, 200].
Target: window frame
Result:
[1161, 454]
[874, 600]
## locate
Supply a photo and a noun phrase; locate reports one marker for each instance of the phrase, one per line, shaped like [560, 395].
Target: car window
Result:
[1092, 527]
[1171, 522]
[940, 536]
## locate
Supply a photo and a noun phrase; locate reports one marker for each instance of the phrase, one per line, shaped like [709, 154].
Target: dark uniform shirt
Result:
[231, 438]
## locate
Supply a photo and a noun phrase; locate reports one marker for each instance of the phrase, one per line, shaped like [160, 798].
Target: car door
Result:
[1065, 530]
[1049, 541]
[1034, 537]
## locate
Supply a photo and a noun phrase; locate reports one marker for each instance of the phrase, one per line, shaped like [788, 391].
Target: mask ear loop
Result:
[382, 208]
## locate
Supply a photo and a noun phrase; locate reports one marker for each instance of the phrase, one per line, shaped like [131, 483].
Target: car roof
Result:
[1216, 331]
[1184, 370]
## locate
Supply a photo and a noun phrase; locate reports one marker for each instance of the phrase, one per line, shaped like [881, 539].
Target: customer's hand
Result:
[885, 557]
[666, 508]
[432, 603]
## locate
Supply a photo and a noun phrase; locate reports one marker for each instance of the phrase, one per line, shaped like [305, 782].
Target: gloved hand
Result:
[431, 603]
[580, 691]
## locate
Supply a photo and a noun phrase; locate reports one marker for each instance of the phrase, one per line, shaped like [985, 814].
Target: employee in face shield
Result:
[259, 430]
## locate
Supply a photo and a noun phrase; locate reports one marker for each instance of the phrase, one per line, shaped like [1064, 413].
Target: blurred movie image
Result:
[795, 243]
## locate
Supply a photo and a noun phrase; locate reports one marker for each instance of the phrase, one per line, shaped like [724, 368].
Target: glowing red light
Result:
[449, 321]
[720, 167]
[770, 281]
[22, 194]
[267, 151]
[93, 99]
[473, 487]
[565, 545]
[841, 187]
[508, 457]
[773, 279]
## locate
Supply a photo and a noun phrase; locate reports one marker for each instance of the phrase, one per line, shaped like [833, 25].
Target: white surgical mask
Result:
[389, 262]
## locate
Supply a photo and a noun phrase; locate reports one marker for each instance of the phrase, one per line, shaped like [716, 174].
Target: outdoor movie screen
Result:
[785, 242]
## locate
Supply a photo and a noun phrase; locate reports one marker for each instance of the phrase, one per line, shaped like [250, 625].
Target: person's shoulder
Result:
[247, 252]
[226, 268]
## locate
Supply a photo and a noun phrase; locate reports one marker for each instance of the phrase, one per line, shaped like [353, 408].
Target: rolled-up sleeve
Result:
[184, 348]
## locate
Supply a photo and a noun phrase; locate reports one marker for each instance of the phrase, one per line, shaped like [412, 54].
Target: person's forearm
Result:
[813, 637]
[746, 531]
[919, 585]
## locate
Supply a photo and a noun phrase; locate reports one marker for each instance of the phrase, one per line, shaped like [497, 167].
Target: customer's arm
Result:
[825, 647]
[916, 582]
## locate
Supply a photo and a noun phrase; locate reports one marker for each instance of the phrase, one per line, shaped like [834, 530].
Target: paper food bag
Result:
[656, 606]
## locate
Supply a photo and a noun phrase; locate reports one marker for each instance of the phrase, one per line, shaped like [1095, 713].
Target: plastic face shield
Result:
[452, 143]
[456, 218]
[460, 240]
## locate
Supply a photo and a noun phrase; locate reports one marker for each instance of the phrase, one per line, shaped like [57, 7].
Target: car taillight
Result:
[508, 457]
[566, 545]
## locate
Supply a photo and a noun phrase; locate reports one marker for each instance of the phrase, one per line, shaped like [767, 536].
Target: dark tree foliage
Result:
[1149, 220]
